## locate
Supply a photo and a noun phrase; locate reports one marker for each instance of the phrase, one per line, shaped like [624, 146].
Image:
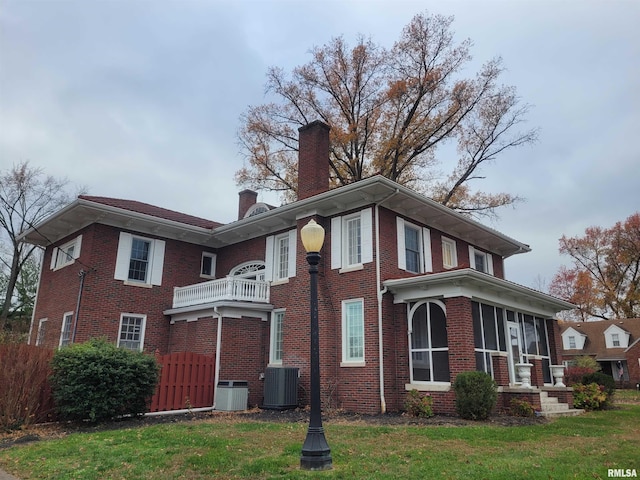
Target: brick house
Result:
[411, 293]
[614, 344]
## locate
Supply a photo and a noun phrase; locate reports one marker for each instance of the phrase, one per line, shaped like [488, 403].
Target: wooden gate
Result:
[186, 381]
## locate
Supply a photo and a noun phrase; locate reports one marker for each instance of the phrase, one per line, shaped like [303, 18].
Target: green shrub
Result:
[521, 408]
[603, 380]
[585, 361]
[419, 405]
[98, 381]
[476, 395]
[589, 397]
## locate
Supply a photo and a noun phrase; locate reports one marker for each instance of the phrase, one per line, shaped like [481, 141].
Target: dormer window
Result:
[572, 341]
[615, 339]
[256, 209]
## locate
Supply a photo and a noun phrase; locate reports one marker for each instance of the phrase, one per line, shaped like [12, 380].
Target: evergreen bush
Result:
[589, 397]
[97, 381]
[476, 395]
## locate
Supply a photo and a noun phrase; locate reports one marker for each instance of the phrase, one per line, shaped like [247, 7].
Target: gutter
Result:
[216, 377]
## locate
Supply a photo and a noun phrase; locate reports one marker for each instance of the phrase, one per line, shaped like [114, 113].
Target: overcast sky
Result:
[141, 99]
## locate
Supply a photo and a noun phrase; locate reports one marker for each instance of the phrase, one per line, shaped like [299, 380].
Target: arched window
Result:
[253, 270]
[429, 347]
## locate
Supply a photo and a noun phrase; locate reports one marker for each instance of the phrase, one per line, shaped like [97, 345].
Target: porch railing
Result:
[229, 288]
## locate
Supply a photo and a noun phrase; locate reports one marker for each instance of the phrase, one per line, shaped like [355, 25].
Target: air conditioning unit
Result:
[232, 395]
[280, 388]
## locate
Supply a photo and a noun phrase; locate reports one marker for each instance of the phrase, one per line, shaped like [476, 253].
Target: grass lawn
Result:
[226, 447]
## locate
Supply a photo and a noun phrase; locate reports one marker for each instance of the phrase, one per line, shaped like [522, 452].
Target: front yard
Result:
[226, 446]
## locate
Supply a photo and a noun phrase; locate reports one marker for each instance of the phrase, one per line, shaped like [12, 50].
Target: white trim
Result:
[274, 313]
[268, 258]
[451, 243]
[143, 327]
[345, 334]
[339, 241]
[214, 259]
[336, 242]
[366, 235]
[426, 249]
[59, 257]
[402, 255]
[424, 246]
[41, 332]
[65, 316]
[155, 265]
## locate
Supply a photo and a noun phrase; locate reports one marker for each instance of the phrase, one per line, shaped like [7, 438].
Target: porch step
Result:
[551, 407]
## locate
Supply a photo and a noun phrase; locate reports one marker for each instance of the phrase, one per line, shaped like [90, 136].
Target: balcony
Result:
[229, 288]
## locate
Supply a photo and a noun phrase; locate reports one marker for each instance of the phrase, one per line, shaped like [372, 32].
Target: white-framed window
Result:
[42, 331]
[66, 254]
[275, 350]
[280, 256]
[429, 345]
[615, 339]
[414, 247]
[140, 260]
[65, 331]
[131, 332]
[352, 240]
[208, 265]
[489, 334]
[481, 261]
[449, 253]
[572, 341]
[352, 332]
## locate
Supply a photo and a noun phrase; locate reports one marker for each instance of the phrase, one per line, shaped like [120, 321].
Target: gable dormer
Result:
[573, 339]
[616, 337]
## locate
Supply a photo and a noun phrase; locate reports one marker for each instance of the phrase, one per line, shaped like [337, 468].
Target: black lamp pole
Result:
[316, 454]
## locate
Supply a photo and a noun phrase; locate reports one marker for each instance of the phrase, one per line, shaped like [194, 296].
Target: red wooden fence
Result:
[186, 381]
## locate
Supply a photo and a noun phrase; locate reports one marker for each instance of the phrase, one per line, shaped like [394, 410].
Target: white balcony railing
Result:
[230, 288]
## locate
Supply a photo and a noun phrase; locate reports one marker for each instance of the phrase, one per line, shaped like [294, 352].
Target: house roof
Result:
[127, 214]
[595, 344]
[374, 190]
[479, 286]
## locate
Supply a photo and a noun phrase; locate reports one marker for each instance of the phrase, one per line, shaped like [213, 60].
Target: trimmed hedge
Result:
[476, 395]
[98, 381]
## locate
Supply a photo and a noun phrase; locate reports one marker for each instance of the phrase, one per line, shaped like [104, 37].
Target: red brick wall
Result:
[104, 299]
[633, 357]
[460, 334]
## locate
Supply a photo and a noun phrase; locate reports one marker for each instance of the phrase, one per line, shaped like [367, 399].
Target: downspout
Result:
[81, 274]
[380, 293]
[35, 302]
[216, 377]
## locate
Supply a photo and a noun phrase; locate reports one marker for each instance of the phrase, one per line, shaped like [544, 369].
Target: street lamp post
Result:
[316, 454]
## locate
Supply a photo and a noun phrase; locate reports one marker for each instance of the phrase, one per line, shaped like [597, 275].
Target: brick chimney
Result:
[313, 159]
[246, 201]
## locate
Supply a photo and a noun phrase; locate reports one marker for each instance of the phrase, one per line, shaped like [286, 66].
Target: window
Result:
[481, 261]
[352, 331]
[280, 256]
[489, 334]
[449, 254]
[429, 350]
[277, 323]
[535, 342]
[42, 330]
[208, 265]
[66, 254]
[140, 260]
[615, 339]
[131, 334]
[414, 247]
[352, 240]
[65, 332]
[572, 341]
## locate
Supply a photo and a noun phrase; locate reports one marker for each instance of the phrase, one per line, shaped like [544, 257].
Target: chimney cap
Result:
[314, 124]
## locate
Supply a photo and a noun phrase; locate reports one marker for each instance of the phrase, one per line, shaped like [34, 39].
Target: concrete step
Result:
[570, 412]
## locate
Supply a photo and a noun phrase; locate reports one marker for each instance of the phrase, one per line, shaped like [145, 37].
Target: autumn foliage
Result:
[604, 280]
[389, 110]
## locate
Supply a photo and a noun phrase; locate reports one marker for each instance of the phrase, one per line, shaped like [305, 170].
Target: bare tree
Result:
[389, 110]
[27, 196]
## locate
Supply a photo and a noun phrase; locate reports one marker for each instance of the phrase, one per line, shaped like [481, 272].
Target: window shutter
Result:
[402, 257]
[426, 249]
[293, 237]
[336, 242]
[76, 251]
[54, 255]
[472, 257]
[367, 235]
[158, 262]
[268, 259]
[124, 256]
[489, 264]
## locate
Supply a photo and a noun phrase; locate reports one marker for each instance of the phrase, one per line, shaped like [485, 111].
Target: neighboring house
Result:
[411, 293]
[614, 344]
